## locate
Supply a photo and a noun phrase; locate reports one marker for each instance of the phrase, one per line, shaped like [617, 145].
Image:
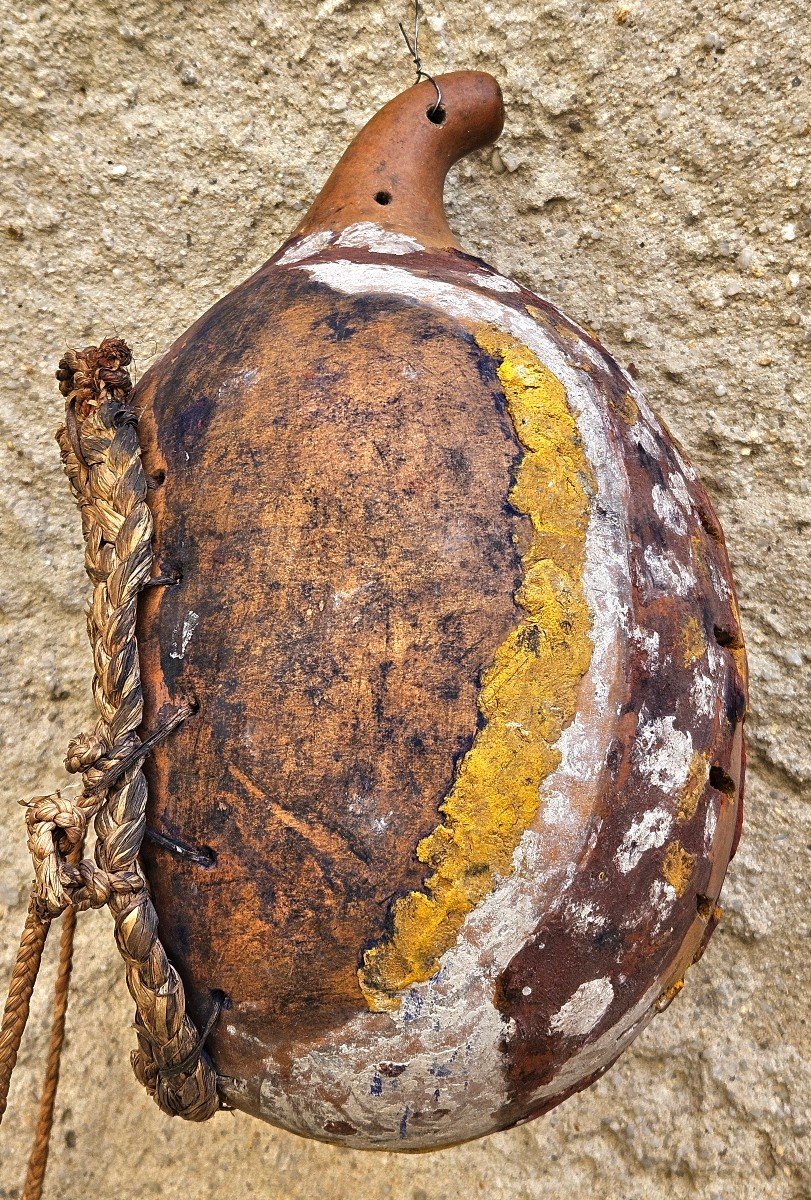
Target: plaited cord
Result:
[102, 458]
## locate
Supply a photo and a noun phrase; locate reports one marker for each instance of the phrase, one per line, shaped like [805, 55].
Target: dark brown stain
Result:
[335, 500]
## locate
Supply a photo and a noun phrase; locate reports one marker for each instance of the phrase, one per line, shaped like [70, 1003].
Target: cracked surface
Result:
[652, 179]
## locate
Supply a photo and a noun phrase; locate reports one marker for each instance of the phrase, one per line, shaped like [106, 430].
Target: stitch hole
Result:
[722, 782]
[730, 638]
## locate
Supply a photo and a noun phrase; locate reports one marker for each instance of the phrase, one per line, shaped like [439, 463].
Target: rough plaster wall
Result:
[653, 180]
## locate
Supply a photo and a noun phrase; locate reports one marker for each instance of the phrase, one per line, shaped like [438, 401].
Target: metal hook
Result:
[414, 51]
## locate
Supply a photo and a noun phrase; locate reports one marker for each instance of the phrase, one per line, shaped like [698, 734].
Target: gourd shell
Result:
[450, 822]
[338, 459]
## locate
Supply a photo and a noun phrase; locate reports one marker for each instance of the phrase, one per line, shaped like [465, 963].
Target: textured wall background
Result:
[653, 180]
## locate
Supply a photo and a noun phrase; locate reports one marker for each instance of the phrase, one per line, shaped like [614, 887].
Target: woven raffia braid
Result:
[102, 458]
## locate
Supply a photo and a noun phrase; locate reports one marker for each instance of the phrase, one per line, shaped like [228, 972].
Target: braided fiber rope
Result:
[102, 458]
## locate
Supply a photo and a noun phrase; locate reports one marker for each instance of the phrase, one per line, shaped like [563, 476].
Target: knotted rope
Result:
[102, 458]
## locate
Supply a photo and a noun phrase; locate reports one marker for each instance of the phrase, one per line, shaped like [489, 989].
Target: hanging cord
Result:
[102, 458]
[38, 1159]
[414, 51]
[20, 989]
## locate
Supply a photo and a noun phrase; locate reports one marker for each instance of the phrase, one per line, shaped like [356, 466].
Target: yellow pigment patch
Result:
[692, 639]
[528, 695]
[697, 777]
[677, 867]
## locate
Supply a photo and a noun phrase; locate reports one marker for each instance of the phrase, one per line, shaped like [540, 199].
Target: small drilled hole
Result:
[705, 906]
[158, 479]
[383, 197]
[436, 114]
[727, 637]
[722, 782]
[193, 704]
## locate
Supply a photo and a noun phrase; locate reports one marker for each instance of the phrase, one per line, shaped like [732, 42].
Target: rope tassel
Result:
[102, 459]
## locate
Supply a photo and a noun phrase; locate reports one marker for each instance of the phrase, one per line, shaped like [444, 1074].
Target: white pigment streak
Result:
[686, 467]
[679, 491]
[575, 742]
[667, 510]
[557, 809]
[370, 236]
[585, 916]
[496, 283]
[722, 588]
[583, 1010]
[662, 897]
[648, 833]
[667, 574]
[662, 753]
[180, 644]
[648, 642]
[710, 821]
[702, 692]
[644, 437]
[645, 410]
[306, 248]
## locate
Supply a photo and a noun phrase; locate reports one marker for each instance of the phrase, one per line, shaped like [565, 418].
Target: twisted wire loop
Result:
[102, 459]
